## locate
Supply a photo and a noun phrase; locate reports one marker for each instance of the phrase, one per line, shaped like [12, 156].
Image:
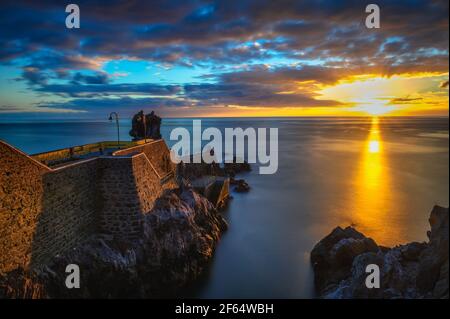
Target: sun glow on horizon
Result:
[369, 95]
[374, 95]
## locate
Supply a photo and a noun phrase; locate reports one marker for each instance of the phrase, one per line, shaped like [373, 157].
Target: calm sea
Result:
[382, 176]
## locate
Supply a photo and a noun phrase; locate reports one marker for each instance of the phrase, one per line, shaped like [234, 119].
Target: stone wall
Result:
[120, 214]
[21, 193]
[157, 152]
[44, 211]
[147, 183]
[129, 187]
[69, 210]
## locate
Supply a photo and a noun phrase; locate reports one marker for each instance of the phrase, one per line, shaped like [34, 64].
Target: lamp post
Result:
[144, 122]
[117, 124]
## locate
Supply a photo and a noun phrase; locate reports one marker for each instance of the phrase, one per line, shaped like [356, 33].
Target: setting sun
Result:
[376, 109]
[397, 95]
[374, 146]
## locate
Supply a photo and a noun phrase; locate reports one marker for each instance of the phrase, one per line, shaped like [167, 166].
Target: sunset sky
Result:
[223, 58]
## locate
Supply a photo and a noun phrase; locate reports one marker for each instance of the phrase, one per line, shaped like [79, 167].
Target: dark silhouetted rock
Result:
[415, 270]
[241, 185]
[332, 257]
[193, 171]
[231, 169]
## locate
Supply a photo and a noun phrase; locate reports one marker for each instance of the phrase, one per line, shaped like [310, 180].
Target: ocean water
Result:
[382, 176]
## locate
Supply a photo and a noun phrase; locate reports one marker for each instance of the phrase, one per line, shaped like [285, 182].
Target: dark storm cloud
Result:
[144, 28]
[413, 37]
[98, 78]
[53, 60]
[254, 87]
[76, 89]
[263, 86]
[127, 105]
[283, 75]
[252, 95]
[33, 76]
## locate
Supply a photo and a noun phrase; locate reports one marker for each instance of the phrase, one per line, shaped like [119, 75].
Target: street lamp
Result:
[117, 124]
[144, 122]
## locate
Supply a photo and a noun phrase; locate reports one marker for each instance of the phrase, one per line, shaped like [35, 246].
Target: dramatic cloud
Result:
[99, 78]
[405, 100]
[75, 89]
[260, 53]
[33, 76]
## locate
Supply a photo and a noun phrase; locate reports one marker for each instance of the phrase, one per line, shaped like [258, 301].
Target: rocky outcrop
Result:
[231, 169]
[188, 172]
[193, 170]
[241, 186]
[179, 238]
[414, 270]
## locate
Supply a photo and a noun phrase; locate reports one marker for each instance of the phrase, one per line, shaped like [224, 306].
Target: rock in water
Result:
[332, 257]
[231, 169]
[179, 239]
[241, 186]
[415, 270]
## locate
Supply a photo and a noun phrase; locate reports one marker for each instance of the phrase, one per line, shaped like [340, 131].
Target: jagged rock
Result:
[415, 270]
[434, 257]
[332, 257]
[241, 185]
[191, 171]
[179, 238]
[22, 284]
[412, 251]
[231, 169]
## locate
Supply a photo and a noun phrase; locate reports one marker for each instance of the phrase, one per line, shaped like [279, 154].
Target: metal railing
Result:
[81, 151]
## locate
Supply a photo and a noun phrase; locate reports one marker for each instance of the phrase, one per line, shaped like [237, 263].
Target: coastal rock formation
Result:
[179, 238]
[241, 186]
[192, 171]
[231, 169]
[414, 270]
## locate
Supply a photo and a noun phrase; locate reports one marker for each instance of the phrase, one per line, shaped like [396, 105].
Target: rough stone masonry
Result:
[47, 211]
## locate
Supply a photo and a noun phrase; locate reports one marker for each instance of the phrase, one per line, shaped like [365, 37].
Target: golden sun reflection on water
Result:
[373, 194]
[374, 146]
